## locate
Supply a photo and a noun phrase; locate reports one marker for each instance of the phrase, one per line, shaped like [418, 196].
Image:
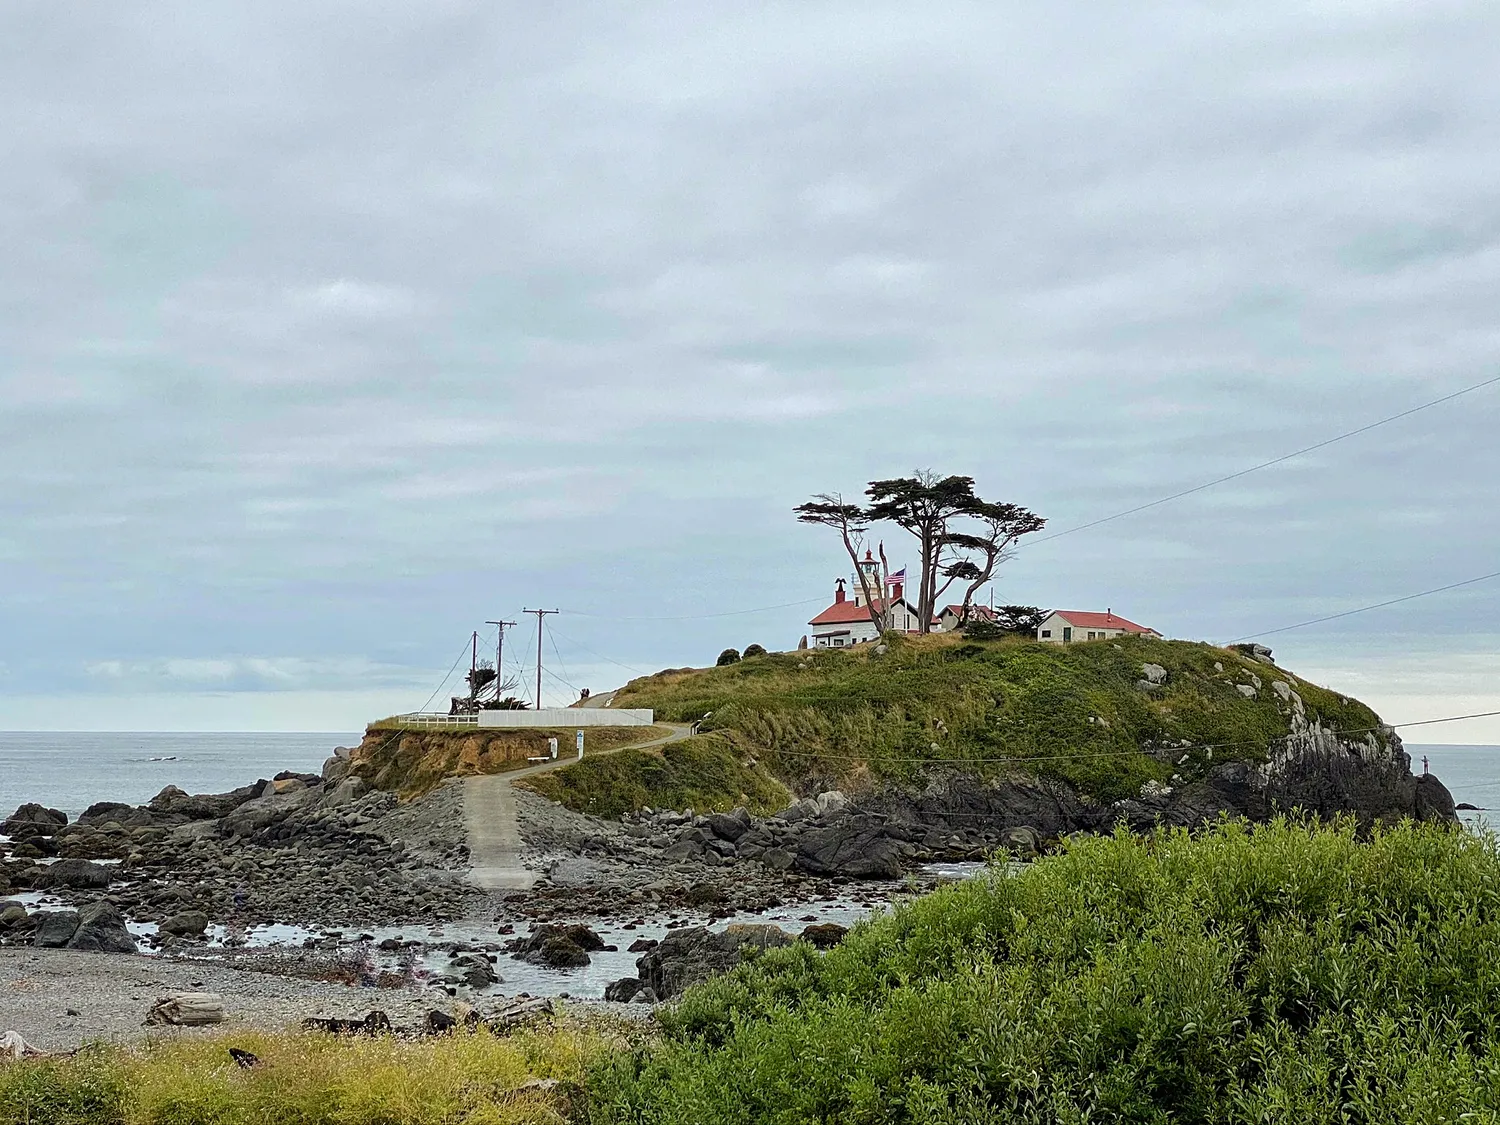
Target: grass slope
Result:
[705, 773]
[412, 761]
[1073, 712]
[1282, 973]
[309, 1080]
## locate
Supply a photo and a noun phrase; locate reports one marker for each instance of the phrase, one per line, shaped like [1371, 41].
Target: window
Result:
[1046, 633]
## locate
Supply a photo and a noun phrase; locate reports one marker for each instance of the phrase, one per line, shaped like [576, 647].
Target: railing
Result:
[435, 719]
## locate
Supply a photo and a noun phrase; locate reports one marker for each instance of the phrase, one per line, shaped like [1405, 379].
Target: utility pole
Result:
[499, 652]
[540, 613]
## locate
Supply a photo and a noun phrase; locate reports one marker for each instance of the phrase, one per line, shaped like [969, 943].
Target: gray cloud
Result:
[332, 330]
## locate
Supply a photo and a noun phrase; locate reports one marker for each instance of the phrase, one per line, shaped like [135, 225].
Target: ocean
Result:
[70, 771]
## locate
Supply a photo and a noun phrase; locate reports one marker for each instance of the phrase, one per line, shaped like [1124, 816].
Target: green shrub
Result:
[727, 657]
[1284, 973]
[754, 650]
[982, 630]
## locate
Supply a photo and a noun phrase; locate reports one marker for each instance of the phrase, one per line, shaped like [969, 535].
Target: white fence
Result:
[435, 719]
[569, 717]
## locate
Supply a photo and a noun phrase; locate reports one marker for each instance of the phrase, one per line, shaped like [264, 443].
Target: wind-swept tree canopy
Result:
[828, 509]
[960, 536]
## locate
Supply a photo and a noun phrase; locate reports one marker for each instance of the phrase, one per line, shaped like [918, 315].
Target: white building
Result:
[848, 622]
[1064, 626]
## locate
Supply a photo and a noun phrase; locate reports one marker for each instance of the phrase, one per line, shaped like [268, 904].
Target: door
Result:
[1067, 634]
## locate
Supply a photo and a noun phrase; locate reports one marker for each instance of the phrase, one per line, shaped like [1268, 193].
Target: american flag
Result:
[899, 576]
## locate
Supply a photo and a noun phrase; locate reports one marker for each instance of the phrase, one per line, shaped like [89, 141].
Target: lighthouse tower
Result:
[869, 566]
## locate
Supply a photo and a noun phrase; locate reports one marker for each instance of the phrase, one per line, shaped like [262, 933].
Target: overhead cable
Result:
[1265, 464]
[1367, 608]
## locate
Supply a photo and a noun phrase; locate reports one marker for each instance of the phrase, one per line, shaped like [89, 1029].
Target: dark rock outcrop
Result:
[53, 929]
[824, 935]
[78, 874]
[861, 846]
[556, 946]
[32, 819]
[185, 924]
[689, 956]
[101, 929]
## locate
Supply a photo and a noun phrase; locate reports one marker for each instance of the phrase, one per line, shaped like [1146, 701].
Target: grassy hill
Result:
[1079, 713]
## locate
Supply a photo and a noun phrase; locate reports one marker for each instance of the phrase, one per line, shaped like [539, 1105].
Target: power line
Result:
[1266, 464]
[697, 616]
[1367, 608]
[1117, 515]
[600, 655]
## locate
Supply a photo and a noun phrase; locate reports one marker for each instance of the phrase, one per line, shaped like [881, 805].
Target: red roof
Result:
[847, 613]
[842, 613]
[1081, 619]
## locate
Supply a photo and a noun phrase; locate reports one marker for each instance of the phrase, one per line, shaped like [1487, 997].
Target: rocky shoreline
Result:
[186, 876]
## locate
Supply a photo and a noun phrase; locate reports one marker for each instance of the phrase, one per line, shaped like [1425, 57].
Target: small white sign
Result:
[552, 748]
[579, 739]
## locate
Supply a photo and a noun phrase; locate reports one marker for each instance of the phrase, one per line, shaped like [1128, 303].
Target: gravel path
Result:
[492, 827]
[111, 992]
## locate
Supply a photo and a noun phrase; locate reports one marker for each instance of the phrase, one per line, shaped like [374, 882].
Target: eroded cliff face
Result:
[413, 762]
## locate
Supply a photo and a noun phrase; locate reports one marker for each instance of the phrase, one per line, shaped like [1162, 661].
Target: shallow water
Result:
[70, 771]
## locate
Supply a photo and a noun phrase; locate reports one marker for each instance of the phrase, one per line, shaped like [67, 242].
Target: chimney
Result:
[896, 589]
[838, 594]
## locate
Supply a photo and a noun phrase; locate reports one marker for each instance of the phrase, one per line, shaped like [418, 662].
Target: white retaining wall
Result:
[570, 717]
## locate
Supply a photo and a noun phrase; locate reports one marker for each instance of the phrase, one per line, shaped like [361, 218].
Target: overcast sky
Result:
[328, 331]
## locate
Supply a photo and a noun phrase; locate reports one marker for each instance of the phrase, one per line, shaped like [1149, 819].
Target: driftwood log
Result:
[186, 1009]
[13, 1048]
[518, 1012]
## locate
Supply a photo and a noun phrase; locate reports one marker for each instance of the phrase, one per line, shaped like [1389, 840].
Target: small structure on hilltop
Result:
[1064, 626]
[848, 620]
[951, 620]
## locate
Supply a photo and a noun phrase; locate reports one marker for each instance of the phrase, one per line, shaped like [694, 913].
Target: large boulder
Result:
[32, 819]
[336, 768]
[1433, 801]
[53, 929]
[13, 916]
[102, 812]
[856, 845]
[473, 969]
[557, 946]
[622, 991]
[250, 817]
[185, 924]
[346, 792]
[729, 826]
[173, 806]
[690, 956]
[78, 874]
[101, 929]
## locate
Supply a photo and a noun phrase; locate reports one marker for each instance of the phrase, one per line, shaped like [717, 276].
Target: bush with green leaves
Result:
[754, 650]
[727, 657]
[983, 630]
[1285, 973]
